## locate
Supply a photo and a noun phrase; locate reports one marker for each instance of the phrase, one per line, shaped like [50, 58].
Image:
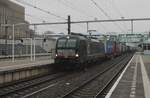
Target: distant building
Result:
[12, 13]
[146, 47]
[47, 41]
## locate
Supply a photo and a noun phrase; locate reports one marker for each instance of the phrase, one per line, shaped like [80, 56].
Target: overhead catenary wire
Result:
[116, 9]
[70, 5]
[82, 12]
[25, 3]
[40, 9]
[30, 5]
[44, 21]
[101, 9]
[119, 12]
[105, 13]
[29, 15]
[26, 14]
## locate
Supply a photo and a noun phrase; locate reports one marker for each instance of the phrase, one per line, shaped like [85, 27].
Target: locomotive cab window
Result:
[61, 43]
[71, 43]
[66, 43]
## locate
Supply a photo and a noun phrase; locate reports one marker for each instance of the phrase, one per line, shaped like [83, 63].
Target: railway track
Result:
[11, 91]
[76, 81]
[62, 84]
[97, 84]
[95, 87]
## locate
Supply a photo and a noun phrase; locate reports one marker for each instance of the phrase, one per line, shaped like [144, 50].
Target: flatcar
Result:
[75, 51]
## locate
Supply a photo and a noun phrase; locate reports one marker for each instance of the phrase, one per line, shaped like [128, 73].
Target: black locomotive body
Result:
[75, 51]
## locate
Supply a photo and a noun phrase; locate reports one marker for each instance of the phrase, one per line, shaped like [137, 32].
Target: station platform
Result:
[134, 81]
[20, 70]
[19, 64]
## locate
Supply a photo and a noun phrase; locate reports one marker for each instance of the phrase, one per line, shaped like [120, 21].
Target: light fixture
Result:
[68, 37]
[56, 55]
[77, 55]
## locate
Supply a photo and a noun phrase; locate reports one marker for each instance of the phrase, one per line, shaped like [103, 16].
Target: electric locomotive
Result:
[76, 50]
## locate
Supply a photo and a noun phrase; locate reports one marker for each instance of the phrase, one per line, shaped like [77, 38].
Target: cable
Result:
[73, 8]
[101, 25]
[119, 12]
[29, 15]
[40, 9]
[26, 14]
[25, 3]
[116, 9]
[103, 11]
[70, 5]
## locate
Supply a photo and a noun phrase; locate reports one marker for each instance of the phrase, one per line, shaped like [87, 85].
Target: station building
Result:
[12, 13]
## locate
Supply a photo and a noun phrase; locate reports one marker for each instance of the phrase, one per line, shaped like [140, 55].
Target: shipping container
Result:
[118, 51]
[109, 48]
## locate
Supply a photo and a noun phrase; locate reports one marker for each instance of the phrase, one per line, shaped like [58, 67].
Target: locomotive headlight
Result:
[68, 37]
[56, 55]
[77, 55]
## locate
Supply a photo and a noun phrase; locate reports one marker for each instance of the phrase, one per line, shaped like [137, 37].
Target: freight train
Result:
[75, 51]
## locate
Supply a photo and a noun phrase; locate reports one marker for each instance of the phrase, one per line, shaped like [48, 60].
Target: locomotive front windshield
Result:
[66, 43]
[61, 43]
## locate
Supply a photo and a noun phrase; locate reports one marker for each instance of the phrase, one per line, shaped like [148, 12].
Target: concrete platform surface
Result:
[18, 64]
[146, 60]
[134, 81]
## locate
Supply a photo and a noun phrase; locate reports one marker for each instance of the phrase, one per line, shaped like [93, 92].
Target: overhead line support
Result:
[69, 25]
[92, 21]
[131, 26]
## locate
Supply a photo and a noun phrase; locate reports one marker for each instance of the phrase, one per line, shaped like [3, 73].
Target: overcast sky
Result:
[86, 10]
